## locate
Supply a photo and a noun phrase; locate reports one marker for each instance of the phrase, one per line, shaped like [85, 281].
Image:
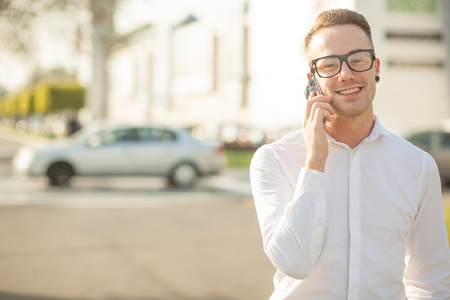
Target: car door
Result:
[155, 151]
[108, 153]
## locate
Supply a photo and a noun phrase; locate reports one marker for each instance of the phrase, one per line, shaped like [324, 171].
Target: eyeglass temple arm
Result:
[324, 121]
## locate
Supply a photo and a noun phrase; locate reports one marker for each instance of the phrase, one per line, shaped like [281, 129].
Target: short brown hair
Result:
[334, 17]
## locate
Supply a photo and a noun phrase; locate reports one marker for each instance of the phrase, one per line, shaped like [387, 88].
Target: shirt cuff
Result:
[311, 181]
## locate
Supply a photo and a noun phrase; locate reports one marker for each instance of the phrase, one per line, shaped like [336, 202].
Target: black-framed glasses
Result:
[329, 66]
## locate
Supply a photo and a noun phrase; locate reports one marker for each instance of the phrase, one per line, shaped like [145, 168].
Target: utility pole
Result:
[102, 39]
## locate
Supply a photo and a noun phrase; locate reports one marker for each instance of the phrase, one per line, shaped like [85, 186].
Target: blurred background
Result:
[232, 72]
[210, 65]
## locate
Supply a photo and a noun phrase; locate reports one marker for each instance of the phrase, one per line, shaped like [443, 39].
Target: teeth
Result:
[350, 91]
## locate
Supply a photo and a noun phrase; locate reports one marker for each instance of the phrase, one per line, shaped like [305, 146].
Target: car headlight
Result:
[23, 159]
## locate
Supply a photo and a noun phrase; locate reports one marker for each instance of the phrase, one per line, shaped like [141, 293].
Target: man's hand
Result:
[318, 108]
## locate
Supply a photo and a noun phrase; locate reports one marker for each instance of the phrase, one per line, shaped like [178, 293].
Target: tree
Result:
[102, 41]
[17, 18]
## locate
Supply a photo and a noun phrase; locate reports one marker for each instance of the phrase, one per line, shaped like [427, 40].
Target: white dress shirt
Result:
[371, 226]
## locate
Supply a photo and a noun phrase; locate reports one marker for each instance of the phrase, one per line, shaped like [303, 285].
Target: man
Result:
[348, 210]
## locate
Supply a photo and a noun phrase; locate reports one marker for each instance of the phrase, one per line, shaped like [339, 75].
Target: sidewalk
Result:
[16, 139]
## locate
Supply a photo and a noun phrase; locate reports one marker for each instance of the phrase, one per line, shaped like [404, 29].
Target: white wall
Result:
[408, 98]
[192, 98]
[130, 84]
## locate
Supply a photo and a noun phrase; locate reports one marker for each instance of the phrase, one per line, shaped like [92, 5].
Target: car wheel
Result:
[60, 174]
[184, 175]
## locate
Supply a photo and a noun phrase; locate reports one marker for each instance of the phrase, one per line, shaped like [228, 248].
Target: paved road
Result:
[192, 251]
[130, 239]
[121, 239]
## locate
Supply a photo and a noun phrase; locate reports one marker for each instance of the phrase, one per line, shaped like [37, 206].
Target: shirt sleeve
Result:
[292, 219]
[427, 275]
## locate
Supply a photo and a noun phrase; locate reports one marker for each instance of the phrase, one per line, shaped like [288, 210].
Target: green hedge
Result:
[25, 102]
[45, 97]
[53, 97]
[238, 158]
[10, 106]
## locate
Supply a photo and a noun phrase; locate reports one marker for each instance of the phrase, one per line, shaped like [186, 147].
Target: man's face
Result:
[352, 92]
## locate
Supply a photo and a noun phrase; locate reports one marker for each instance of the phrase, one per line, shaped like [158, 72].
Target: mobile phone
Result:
[312, 86]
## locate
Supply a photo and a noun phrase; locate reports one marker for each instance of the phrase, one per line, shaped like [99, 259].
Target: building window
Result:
[445, 140]
[424, 36]
[412, 6]
[405, 62]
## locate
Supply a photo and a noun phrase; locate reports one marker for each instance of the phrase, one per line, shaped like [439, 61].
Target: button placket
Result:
[354, 224]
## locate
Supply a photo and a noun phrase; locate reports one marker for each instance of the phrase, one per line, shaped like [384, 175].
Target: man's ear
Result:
[308, 75]
[377, 65]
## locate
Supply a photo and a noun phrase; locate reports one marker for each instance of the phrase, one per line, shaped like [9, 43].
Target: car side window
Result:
[445, 140]
[155, 135]
[118, 135]
[422, 140]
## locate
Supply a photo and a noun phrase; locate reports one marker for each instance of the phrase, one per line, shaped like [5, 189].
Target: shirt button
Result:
[320, 222]
[323, 182]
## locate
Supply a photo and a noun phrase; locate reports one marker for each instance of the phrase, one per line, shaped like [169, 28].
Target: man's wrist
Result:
[317, 164]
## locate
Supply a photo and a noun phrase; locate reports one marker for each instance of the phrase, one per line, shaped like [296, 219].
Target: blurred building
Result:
[413, 93]
[130, 76]
[242, 62]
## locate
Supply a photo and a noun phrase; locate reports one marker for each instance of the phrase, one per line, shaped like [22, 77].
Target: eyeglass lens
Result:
[330, 66]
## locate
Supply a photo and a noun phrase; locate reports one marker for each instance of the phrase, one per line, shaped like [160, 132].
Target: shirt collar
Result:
[377, 130]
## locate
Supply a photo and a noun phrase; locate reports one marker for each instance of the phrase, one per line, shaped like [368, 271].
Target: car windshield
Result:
[87, 130]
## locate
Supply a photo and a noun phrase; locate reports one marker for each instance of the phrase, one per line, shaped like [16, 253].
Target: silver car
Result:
[102, 150]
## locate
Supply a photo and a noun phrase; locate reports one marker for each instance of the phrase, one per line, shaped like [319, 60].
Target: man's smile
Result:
[349, 91]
